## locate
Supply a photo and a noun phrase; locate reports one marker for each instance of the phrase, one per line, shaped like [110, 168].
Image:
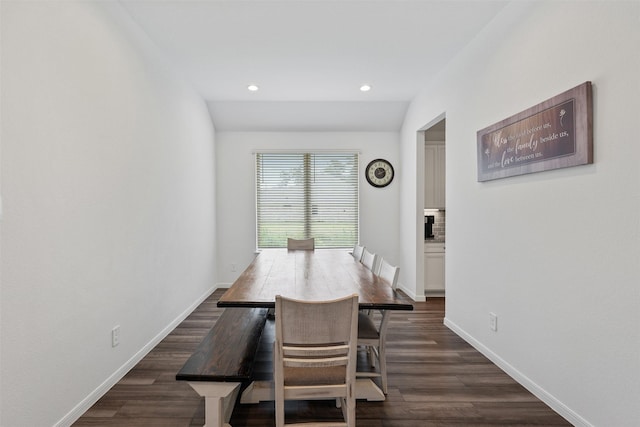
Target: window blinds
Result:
[301, 195]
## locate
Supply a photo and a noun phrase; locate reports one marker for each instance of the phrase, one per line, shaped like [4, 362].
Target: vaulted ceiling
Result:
[310, 58]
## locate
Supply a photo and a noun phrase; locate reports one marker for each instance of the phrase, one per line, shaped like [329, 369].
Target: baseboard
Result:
[113, 379]
[522, 379]
[434, 294]
[411, 294]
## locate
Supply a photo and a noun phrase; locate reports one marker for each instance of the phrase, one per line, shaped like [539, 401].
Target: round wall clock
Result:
[379, 173]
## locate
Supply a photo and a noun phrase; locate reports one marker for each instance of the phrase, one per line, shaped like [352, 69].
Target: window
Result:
[301, 195]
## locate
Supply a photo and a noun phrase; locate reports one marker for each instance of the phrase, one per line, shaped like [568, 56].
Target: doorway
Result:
[431, 208]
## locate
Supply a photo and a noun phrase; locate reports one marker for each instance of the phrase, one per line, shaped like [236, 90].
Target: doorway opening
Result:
[431, 208]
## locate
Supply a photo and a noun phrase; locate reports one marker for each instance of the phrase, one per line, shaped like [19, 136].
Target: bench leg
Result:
[219, 399]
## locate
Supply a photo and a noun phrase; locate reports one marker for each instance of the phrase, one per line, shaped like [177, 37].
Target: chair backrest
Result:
[357, 252]
[315, 351]
[304, 323]
[301, 244]
[389, 273]
[369, 259]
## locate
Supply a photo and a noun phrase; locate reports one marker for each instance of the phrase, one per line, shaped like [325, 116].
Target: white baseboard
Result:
[522, 379]
[113, 379]
[411, 294]
[435, 294]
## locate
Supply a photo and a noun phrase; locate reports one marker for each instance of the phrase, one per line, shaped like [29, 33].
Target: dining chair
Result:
[372, 330]
[357, 252]
[301, 244]
[369, 259]
[389, 273]
[315, 353]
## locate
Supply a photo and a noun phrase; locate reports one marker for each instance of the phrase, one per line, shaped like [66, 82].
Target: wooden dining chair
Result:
[301, 244]
[372, 329]
[369, 259]
[357, 252]
[315, 354]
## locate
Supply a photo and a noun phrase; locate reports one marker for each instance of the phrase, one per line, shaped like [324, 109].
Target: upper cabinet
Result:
[434, 174]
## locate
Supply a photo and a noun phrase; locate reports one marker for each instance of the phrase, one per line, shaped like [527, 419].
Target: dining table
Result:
[310, 275]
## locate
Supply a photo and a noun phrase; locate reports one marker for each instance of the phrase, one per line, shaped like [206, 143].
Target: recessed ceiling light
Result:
[365, 88]
[253, 88]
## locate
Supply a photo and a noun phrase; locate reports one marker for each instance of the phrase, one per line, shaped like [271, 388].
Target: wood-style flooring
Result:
[435, 380]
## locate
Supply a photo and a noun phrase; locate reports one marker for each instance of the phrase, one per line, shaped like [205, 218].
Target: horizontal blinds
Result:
[302, 195]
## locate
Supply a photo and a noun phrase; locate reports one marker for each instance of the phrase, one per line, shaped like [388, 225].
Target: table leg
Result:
[219, 399]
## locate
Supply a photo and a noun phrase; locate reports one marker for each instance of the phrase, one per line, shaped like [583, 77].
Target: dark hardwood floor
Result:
[435, 379]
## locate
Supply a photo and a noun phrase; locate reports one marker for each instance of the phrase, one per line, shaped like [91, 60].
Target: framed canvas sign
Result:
[556, 133]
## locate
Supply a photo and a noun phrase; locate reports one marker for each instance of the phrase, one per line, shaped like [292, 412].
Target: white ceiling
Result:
[310, 57]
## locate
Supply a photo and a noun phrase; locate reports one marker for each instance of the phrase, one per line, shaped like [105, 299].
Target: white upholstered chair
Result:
[301, 244]
[372, 329]
[315, 354]
[357, 252]
[369, 259]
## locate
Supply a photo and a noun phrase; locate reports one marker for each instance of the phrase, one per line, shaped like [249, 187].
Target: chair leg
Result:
[382, 360]
[350, 403]
[279, 412]
[348, 406]
[278, 384]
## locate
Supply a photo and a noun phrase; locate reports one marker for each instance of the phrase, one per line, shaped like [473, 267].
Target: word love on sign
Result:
[556, 133]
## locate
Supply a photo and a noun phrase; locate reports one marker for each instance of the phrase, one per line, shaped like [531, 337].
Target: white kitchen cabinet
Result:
[434, 175]
[434, 268]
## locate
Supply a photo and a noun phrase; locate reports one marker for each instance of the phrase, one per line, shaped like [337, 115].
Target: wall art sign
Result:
[557, 133]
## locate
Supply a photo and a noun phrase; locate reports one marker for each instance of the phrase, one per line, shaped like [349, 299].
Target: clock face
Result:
[379, 173]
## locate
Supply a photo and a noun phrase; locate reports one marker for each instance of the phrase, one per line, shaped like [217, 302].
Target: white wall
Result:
[109, 204]
[235, 169]
[556, 255]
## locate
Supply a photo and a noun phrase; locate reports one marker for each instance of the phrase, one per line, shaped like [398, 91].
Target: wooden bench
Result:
[224, 361]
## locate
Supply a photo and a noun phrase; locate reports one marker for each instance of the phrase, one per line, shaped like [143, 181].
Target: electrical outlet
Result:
[115, 336]
[493, 322]
[234, 267]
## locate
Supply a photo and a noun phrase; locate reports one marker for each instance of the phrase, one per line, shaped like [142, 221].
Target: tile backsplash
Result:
[439, 224]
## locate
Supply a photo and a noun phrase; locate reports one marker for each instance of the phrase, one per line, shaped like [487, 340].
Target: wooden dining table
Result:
[321, 274]
[317, 275]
